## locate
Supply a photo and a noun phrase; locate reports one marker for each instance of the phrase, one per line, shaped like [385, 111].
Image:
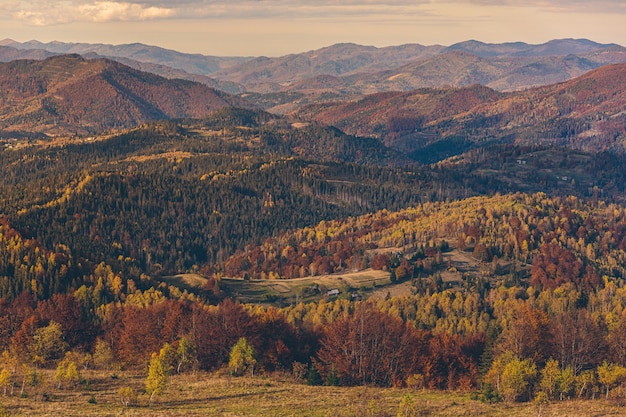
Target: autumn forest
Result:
[460, 245]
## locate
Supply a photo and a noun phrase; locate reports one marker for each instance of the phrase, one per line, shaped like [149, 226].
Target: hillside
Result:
[8, 54]
[174, 197]
[476, 224]
[586, 113]
[236, 175]
[498, 287]
[69, 94]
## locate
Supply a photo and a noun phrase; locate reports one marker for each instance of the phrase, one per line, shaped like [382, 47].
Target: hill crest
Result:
[70, 94]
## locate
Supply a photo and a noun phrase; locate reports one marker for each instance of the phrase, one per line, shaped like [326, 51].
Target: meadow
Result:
[218, 394]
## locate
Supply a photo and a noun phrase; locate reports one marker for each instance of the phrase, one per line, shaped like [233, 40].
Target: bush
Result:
[415, 382]
[128, 396]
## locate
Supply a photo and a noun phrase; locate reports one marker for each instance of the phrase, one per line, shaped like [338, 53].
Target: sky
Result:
[280, 27]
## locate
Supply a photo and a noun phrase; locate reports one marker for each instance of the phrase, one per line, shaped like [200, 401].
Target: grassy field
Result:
[367, 283]
[208, 394]
[290, 290]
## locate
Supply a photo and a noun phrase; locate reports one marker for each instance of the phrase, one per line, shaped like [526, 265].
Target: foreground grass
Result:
[205, 394]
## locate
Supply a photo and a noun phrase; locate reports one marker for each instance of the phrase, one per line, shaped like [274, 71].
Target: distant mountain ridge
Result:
[8, 54]
[349, 68]
[587, 112]
[460, 68]
[89, 103]
[18, 51]
[557, 47]
[355, 69]
[192, 63]
[70, 94]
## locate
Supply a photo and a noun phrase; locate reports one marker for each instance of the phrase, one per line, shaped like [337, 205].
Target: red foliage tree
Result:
[452, 361]
[528, 335]
[371, 347]
[555, 266]
[381, 262]
[278, 342]
[78, 331]
[216, 329]
[139, 335]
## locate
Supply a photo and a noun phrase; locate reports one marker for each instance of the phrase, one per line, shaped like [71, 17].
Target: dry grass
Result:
[263, 291]
[208, 394]
[258, 291]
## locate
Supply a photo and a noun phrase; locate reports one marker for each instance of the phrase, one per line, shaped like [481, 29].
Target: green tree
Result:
[59, 375]
[567, 382]
[314, 377]
[72, 376]
[332, 379]
[586, 383]
[67, 374]
[156, 382]
[242, 357]
[168, 357]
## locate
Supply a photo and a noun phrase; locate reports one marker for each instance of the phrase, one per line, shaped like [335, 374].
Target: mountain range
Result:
[349, 69]
[69, 94]
[192, 63]
[586, 112]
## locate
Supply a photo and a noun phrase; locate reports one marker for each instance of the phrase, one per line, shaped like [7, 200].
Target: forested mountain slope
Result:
[68, 94]
[586, 112]
[546, 300]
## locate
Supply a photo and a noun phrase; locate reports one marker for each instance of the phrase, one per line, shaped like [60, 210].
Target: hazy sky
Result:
[278, 27]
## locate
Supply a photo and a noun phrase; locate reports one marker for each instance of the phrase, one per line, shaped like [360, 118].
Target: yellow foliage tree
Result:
[5, 380]
[156, 382]
[242, 357]
[610, 375]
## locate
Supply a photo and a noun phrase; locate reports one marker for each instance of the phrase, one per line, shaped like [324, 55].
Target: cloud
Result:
[48, 12]
[44, 13]
[559, 6]
[106, 11]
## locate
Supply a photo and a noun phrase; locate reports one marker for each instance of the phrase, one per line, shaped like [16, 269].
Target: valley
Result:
[409, 230]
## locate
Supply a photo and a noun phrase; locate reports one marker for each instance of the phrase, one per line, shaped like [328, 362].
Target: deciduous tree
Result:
[242, 358]
[156, 381]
